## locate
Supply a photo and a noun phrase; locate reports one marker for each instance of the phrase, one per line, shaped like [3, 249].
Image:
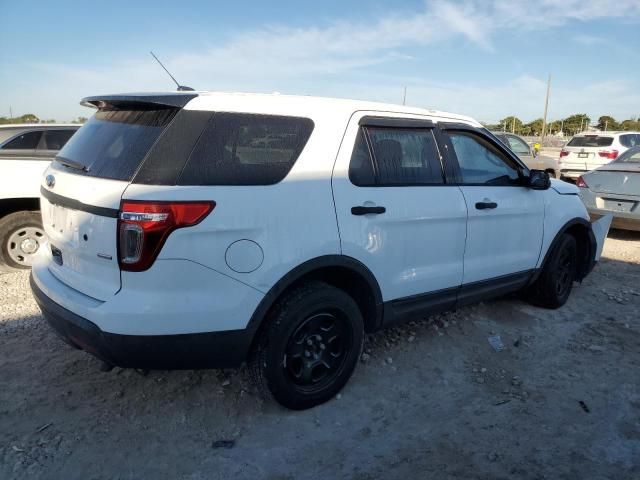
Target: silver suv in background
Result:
[25, 152]
[590, 150]
[528, 155]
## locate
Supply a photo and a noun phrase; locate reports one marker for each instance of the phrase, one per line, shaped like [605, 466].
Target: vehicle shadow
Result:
[619, 234]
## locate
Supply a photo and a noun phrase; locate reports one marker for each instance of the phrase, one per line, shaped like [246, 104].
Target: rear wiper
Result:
[67, 162]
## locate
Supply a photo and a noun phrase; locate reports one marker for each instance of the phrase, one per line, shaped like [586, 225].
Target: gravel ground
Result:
[431, 399]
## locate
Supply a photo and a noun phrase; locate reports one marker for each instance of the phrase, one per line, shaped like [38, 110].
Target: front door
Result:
[395, 213]
[505, 225]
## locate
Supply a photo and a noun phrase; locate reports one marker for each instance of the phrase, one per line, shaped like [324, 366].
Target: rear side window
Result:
[630, 140]
[246, 149]
[402, 156]
[56, 139]
[590, 141]
[113, 143]
[25, 141]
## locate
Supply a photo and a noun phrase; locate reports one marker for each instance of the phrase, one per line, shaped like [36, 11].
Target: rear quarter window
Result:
[630, 140]
[246, 149]
[590, 141]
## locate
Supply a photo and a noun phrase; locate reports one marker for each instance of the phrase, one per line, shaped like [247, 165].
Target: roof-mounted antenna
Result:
[181, 88]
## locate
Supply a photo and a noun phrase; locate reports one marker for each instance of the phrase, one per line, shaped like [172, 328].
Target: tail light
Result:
[144, 226]
[581, 183]
[563, 153]
[610, 154]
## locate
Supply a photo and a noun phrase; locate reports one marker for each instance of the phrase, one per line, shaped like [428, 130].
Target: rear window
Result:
[590, 141]
[246, 149]
[113, 143]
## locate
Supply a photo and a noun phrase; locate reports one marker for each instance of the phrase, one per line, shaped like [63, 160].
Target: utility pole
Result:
[546, 107]
[10, 113]
[404, 96]
[513, 124]
[606, 123]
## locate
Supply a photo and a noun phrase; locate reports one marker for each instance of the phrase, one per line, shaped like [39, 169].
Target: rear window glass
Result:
[246, 149]
[113, 143]
[590, 141]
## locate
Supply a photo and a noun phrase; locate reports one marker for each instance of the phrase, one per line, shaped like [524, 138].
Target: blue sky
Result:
[485, 58]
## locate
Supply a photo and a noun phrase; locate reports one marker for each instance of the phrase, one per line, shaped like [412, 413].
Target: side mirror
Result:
[538, 180]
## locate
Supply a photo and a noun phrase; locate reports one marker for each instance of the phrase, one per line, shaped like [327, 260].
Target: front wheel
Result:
[553, 286]
[310, 347]
[21, 236]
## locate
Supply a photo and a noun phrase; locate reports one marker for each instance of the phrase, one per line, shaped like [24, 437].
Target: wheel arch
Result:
[341, 271]
[12, 205]
[580, 229]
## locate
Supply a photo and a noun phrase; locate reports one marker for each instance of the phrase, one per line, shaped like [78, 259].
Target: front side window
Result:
[25, 141]
[480, 162]
[56, 139]
[246, 149]
[518, 146]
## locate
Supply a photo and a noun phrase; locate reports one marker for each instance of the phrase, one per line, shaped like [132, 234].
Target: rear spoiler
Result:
[139, 100]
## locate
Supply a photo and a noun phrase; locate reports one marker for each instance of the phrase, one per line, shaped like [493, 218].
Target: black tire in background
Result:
[21, 235]
[310, 346]
[553, 286]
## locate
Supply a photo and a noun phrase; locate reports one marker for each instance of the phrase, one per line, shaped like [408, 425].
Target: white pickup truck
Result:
[25, 152]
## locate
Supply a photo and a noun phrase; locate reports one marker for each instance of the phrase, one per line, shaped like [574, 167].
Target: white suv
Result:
[588, 151]
[207, 229]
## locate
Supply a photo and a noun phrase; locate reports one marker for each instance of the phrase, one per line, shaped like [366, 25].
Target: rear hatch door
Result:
[584, 152]
[82, 189]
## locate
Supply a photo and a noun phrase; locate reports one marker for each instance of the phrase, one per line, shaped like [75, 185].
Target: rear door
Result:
[22, 145]
[505, 225]
[395, 212]
[82, 189]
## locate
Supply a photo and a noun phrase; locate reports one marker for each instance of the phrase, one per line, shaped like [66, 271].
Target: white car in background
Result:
[209, 229]
[25, 152]
[588, 151]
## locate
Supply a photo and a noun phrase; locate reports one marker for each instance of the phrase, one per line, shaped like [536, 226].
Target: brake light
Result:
[610, 154]
[581, 183]
[144, 226]
[563, 153]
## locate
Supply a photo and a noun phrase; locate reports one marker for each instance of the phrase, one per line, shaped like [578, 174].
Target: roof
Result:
[205, 100]
[601, 133]
[40, 125]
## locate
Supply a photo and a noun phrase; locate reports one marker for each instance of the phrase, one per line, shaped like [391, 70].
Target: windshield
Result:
[590, 141]
[113, 143]
[630, 156]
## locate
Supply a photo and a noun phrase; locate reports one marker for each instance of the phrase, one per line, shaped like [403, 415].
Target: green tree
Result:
[533, 128]
[27, 118]
[607, 122]
[80, 120]
[633, 124]
[576, 123]
[510, 124]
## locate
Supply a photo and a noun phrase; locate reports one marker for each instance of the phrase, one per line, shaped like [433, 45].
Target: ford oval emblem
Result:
[51, 181]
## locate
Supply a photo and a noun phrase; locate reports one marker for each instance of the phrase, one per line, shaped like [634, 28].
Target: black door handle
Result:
[366, 210]
[485, 205]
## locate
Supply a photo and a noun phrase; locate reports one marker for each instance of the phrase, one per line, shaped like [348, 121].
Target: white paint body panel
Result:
[20, 178]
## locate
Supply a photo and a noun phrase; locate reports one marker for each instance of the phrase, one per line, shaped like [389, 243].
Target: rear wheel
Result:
[21, 236]
[310, 347]
[553, 286]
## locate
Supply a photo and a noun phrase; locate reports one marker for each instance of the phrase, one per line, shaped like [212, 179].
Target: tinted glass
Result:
[481, 162]
[405, 156]
[361, 167]
[630, 156]
[26, 141]
[518, 146]
[590, 141]
[56, 139]
[246, 149]
[112, 144]
[630, 140]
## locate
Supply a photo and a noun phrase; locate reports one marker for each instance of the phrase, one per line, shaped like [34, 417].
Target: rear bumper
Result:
[224, 349]
[623, 221]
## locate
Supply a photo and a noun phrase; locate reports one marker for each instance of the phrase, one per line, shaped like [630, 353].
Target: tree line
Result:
[31, 118]
[571, 125]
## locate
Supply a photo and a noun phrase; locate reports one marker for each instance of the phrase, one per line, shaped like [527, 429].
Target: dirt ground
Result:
[432, 399]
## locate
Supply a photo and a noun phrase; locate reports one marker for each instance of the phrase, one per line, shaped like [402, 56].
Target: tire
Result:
[309, 347]
[21, 235]
[553, 286]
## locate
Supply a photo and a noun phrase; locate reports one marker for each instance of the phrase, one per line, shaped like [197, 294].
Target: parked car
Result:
[176, 242]
[25, 152]
[615, 189]
[529, 155]
[588, 151]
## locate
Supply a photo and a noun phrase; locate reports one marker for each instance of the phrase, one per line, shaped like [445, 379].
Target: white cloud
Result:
[319, 59]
